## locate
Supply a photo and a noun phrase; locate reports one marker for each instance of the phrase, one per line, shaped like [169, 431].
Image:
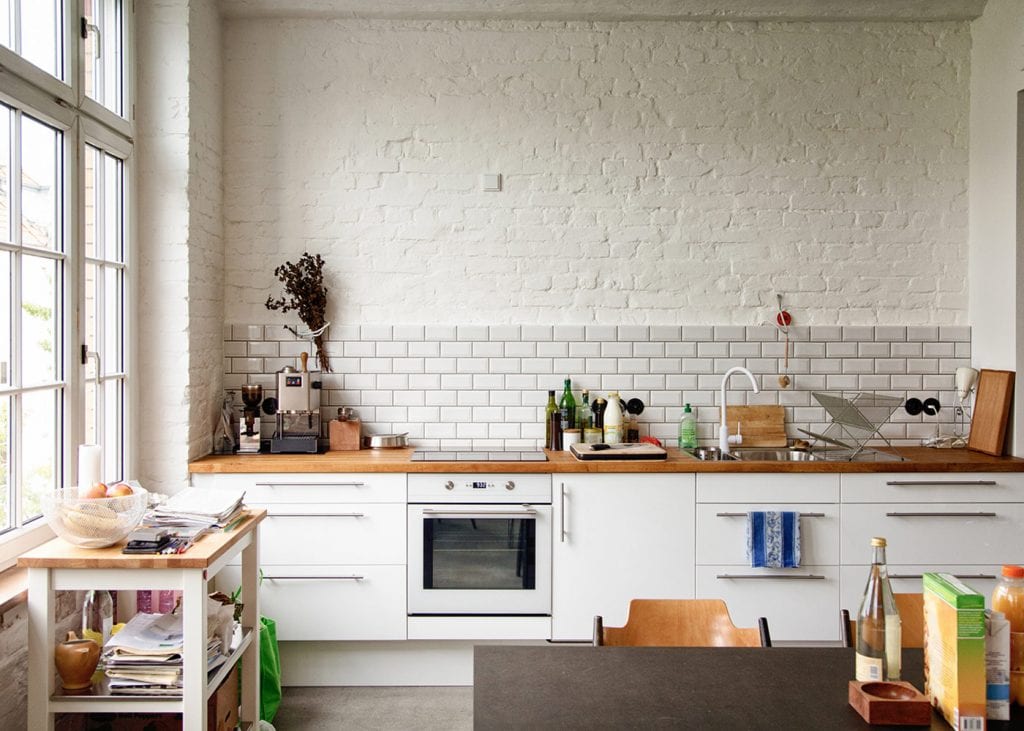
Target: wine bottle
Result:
[567, 406]
[583, 412]
[879, 634]
[551, 408]
[97, 616]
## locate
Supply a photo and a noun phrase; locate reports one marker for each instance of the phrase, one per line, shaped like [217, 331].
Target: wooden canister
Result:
[345, 436]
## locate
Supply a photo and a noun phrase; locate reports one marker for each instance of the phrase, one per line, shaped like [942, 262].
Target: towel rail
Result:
[744, 515]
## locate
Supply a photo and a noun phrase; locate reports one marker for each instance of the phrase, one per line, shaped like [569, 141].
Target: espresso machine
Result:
[298, 411]
[249, 427]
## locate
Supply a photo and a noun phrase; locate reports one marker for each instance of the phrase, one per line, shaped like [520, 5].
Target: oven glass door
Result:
[480, 559]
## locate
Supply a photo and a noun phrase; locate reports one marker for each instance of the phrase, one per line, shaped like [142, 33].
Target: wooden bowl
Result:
[895, 703]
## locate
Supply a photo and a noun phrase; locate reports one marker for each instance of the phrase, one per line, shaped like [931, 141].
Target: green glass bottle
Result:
[583, 412]
[567, 405]
[552, 407]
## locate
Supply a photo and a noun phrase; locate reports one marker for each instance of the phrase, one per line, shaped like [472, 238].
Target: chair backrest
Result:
[911, 609]
[680, 623]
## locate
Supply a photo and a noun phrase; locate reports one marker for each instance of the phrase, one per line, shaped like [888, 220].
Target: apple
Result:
[96, 490]
[119, 490]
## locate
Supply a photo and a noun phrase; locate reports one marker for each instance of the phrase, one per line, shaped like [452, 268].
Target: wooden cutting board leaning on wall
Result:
[991, 412]
[761, 426]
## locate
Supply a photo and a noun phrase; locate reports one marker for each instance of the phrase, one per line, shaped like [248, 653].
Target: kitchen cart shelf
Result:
[95, 700]
[59, 566]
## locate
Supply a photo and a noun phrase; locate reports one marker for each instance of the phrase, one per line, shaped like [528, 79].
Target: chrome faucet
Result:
[724, 440]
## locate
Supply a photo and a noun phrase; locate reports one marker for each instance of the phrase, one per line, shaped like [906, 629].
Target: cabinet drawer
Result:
[797, 607]
[268, 489]
[750, 488]
[907, 579]
[916, 487]
[357, 533]
[332, 602]
[933, 533]
[722, 532]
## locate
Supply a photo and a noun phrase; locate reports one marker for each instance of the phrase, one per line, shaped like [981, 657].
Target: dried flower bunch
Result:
[304, 292]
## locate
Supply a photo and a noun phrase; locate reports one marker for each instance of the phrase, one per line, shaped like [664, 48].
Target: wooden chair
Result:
[680, 623]
[911, 609]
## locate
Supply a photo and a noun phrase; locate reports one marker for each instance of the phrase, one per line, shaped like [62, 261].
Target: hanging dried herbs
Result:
[305, 293]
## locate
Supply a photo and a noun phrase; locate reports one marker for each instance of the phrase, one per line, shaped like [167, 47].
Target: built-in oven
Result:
[479, 544]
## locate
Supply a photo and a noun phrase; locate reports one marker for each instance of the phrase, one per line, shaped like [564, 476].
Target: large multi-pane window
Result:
[65, 249]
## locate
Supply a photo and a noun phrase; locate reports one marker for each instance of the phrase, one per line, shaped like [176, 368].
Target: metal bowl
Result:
[386, 441]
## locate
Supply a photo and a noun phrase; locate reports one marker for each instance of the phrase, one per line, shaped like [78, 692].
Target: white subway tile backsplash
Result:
[505, 333]
[632, 332]
[536, 332]
[568, 333]
[488, 350]
[698, 332]
[428, 380]
[553, 349]
[247, 332]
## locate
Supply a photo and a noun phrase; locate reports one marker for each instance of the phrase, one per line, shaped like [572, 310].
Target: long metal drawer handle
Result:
[480, 514]
[942, 515]
[314, 578]
[959, 576]
[910, 483]
[310, 484]
[562, 498]
[744, 515]
[786, 577]
[317, 515]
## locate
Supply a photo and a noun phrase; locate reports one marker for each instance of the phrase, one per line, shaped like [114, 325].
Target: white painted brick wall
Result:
[206, 241]
[485, 388]
[654, 173]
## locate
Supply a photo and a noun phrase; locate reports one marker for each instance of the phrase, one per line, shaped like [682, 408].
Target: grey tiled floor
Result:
[375, 708]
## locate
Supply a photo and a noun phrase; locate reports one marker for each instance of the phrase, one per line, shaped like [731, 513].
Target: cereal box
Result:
[954, 651]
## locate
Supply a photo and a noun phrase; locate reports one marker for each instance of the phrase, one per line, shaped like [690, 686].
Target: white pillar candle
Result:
[89, 464]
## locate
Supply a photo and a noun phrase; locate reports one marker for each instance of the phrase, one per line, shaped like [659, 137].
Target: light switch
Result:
[490, 182]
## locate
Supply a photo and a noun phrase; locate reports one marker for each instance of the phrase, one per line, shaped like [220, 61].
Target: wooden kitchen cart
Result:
[59, 566]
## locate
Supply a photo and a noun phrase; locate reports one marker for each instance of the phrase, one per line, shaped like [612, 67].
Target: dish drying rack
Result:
[857, 417]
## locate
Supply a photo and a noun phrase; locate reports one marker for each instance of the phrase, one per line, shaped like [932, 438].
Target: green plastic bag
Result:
[270, 670]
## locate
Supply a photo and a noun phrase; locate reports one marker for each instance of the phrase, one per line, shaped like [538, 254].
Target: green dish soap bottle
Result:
[688, 429]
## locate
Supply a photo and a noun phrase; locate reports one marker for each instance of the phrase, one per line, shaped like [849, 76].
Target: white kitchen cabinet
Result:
[801, 603]
[966, 524]
[618, 537]
[334, 546]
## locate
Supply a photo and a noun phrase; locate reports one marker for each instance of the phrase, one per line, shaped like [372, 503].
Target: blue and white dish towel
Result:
[773, 539]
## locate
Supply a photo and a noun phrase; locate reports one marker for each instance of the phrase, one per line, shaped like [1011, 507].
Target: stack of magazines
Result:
[195, 506]
[145, 657]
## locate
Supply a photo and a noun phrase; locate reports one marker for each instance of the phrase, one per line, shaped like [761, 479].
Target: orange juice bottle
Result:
[1008, 598]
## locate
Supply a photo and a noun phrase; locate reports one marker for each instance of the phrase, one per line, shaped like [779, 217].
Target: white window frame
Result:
[83, 121]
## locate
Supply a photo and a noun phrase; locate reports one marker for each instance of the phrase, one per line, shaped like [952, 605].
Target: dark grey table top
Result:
[701, 688]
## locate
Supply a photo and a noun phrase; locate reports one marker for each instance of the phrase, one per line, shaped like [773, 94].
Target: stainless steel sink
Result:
[709, 454]
[773, 455]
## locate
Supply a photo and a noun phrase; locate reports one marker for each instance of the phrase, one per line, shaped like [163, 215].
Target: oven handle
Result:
[480, 514]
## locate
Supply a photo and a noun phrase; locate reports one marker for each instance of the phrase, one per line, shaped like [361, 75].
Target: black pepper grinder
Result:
[555, 422]
[598, 408]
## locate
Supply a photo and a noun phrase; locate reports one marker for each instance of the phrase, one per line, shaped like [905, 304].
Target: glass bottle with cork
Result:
[567, 406]
[550, 409]
[879, 642]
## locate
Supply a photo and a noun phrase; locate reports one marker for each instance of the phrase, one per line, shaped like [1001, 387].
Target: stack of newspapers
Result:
[145, 657]
[195, 506]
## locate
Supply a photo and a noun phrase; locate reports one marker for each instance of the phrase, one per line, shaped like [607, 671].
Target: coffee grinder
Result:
[249, 427]
[298, 411]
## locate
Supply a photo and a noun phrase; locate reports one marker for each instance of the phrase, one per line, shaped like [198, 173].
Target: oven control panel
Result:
[480, 488]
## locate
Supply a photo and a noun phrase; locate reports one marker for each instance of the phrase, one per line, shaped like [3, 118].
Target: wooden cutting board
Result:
[622, 451]
[761, 426]
[991, 412]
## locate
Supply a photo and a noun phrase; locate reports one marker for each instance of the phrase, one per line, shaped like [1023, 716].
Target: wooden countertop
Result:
[919, 459]
[60, 554]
